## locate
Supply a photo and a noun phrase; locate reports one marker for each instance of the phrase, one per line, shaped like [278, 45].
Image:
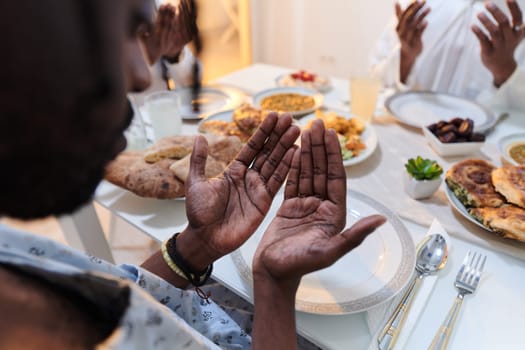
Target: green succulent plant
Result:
[423, 169]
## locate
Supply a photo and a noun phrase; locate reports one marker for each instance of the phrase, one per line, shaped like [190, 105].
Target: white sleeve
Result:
[384, 61]
[511, 94]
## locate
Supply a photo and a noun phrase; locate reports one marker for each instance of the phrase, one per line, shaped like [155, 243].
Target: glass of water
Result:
[163, 109]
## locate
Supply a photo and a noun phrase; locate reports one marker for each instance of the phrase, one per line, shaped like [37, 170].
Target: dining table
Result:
[491, 318]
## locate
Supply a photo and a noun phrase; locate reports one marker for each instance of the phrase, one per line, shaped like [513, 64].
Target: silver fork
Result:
[466, 282]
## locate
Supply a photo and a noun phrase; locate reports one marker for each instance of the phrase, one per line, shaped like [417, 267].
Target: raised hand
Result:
[305, 235]
[410, 27]
[497, 48]
[223, 212]
[172, 29]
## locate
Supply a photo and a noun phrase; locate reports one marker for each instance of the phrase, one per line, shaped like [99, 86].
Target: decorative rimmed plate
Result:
[211, 99]
[367, 276]
[422, 108]
[321, 84]
[318, 98]
[369, 138]
[509, 141]
[460, 208]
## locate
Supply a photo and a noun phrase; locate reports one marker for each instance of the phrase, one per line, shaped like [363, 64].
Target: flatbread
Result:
[510, 182]
[181, 167]
[224, 149]
[161, 170]
[507, 220]
[175, 147]
[470, 180]
[130, 171]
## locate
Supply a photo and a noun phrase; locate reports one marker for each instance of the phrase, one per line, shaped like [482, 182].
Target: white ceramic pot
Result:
[419, 189]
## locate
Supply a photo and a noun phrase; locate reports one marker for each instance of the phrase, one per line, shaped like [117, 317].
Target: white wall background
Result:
[332, 37]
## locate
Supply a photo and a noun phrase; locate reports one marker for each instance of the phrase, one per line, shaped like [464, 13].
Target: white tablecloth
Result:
[490, 319]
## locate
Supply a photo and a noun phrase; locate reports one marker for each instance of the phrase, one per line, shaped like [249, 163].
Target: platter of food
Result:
[240, 122]
[211, 99]
[457, 205]
[369, 275]
[297, 101]
[160, 171]
[358, 140]
[305, 79]
[422, 108]
[490, 197]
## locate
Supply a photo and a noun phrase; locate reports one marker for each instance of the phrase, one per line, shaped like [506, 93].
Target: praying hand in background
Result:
[497, 48]
[173, 28]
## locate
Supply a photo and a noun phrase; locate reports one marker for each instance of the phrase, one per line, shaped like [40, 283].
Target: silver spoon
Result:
[432, 254]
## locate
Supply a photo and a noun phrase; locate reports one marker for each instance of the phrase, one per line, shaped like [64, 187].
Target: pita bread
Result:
[510, 182]
[181, 167]
[471, 182]
[507, 220]
[130, 171]
[175, 147]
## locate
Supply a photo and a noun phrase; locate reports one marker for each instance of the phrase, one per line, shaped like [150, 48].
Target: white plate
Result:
[367, 276]
[211, 99]
[507, 142]
[318, 98]
[224, 116]
[419, 109]
[456, 204]
[453, 148]
[369, 137]
[285, 80]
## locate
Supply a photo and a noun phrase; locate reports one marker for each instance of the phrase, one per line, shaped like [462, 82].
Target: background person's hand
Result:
[305, 236]
[223, 212]
[497, 48]
[410, 27]
[172, 29]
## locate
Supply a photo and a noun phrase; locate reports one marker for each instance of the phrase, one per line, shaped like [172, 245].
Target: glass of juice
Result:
[363, 97]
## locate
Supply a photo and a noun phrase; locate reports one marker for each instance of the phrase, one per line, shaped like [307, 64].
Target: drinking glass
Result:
[363, 97]
[163, 109]
[135, 134]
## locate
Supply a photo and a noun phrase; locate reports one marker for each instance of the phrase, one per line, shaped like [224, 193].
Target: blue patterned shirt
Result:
[159, 315]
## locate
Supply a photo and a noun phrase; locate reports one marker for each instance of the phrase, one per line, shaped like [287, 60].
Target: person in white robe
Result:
[467, 48]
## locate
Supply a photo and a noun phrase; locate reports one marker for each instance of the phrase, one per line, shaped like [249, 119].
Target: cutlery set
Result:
[432, 254]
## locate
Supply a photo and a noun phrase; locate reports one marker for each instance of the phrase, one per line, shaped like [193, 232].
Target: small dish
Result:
[317, 97]
[510, 143]
[419, 189]
[318, 82]
[453, 148]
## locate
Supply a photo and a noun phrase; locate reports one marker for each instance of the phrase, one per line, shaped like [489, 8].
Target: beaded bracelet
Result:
[169, 262]
[181, 268]
[197, 278]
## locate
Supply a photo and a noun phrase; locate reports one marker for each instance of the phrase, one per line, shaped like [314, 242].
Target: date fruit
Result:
[456, 130]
